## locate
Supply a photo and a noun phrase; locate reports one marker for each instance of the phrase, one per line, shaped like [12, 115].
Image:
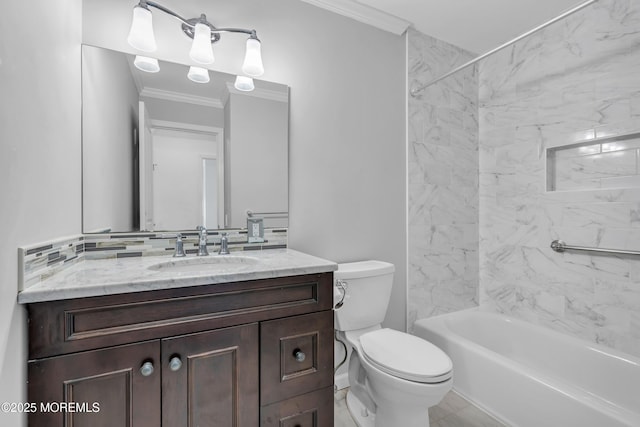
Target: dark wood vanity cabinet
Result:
[236, 354]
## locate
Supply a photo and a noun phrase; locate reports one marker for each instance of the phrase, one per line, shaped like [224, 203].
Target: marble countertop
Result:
[91, 278]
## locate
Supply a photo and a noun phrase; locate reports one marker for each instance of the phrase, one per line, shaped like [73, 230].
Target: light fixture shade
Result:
[198, 75]
[252, 65]
[201, 51]
[141, 33]
[146, 64]
[244, 83]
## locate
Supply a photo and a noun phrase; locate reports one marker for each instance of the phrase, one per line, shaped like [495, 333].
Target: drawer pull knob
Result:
[299, 355]
[146, 369]
[175, 363]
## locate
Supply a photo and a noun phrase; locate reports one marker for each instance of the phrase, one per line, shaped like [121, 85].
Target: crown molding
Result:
[363, 13]
[273, 95]
[169, 126]
[151, 92]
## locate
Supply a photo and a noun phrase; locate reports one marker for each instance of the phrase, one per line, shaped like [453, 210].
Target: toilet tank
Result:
[368, 288]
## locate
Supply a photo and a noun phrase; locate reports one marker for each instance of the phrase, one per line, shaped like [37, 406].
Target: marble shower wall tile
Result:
[443, 181]
[575, 80]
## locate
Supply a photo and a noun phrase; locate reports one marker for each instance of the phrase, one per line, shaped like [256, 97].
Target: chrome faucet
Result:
[202, 241]
[224, 245]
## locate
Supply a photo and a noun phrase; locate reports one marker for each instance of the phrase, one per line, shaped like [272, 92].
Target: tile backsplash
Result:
[42, 260]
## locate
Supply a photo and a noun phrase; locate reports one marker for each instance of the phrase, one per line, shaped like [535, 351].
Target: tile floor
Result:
[453, 411]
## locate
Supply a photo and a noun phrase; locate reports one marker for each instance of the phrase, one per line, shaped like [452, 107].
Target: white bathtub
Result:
[530, 376]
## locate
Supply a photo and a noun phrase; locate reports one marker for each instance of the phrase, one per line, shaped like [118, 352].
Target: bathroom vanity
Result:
[197, 348]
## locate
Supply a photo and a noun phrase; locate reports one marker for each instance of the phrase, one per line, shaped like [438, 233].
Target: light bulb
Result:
[244, 83]
[141, 33]
[201, 51]
[146, 64]
[198, 75]
[252, 65]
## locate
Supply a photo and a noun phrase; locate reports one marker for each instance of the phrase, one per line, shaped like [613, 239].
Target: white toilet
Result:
[394, 377]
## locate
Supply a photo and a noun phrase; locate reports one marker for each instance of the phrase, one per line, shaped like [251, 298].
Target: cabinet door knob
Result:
[146, 369]
[299, 355]
[175, 363]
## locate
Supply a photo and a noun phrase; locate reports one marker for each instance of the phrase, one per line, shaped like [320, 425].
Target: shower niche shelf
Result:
[600, 163]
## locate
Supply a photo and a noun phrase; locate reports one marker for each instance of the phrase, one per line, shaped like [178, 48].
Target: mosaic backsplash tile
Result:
[100, 246]
[42, 260]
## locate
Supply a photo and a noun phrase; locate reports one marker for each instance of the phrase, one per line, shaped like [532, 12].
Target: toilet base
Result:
[365, 418]
[360, 414]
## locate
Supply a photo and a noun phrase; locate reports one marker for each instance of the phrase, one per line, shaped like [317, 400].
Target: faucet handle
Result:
[224, 244]
[202, 241]
[179, 252]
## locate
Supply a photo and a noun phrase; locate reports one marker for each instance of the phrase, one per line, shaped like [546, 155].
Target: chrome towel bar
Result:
[560, 246]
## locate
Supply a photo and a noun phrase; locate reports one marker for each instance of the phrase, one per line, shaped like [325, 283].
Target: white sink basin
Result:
[206, 263]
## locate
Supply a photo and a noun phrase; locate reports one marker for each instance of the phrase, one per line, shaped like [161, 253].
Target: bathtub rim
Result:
[600, 348]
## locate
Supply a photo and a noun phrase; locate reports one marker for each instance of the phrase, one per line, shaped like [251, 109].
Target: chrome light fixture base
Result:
[189, 28]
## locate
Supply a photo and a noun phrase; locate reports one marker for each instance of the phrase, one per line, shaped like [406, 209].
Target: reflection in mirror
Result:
[161, 152]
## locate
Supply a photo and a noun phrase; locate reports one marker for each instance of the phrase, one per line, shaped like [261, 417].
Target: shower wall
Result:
[442, 181]
[574, 81]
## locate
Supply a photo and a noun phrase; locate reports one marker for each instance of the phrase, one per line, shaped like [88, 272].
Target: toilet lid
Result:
[406, 356]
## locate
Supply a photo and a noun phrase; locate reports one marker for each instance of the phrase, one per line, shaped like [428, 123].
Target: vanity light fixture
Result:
[244, 83]
[141, 33]
[203, 33]
[198, 74]
[144, 63]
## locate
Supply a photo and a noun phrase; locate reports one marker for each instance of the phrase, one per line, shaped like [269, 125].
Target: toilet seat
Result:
[406, 356]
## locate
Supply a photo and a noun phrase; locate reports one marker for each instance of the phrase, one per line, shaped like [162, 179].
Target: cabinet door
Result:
[210, 379]
[101, 388]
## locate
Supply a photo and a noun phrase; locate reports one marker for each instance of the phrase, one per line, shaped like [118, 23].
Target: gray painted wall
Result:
[110, 117]
[258, 158]
[39, 158]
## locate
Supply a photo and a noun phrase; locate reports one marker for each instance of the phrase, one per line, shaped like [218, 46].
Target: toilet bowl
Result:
[394, 377]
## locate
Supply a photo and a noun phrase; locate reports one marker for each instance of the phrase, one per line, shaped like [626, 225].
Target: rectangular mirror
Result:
[163, 153]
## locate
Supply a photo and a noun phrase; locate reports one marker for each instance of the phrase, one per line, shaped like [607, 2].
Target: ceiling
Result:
[475, 25]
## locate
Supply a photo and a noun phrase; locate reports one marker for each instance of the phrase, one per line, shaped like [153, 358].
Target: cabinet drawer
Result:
[296, 356]
[69, 326]
[313, 409]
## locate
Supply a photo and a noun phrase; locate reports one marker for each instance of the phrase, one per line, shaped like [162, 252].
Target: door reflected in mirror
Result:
[162, 153]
